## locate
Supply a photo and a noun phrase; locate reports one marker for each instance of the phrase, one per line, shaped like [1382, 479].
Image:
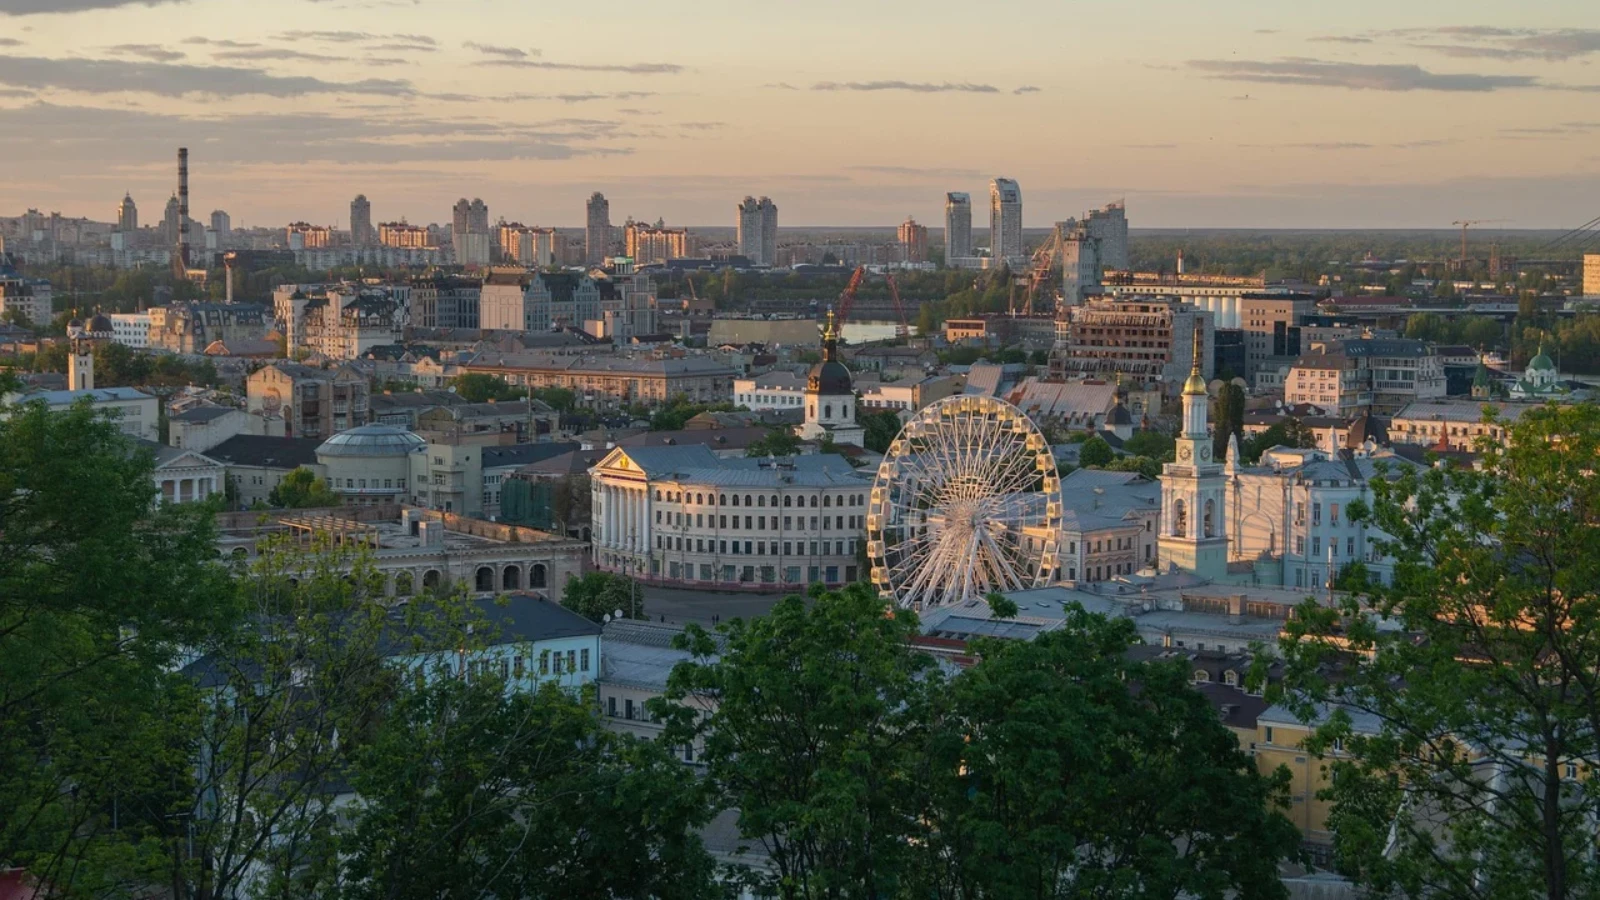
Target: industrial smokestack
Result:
[183, 207]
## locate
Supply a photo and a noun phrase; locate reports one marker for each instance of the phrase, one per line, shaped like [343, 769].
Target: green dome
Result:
[1481, 378]
[1541, 362]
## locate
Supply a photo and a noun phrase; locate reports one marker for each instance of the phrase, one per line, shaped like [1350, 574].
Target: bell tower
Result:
[1193, 536]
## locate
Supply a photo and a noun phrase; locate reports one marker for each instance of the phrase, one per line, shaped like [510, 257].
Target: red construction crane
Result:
[903, 330]
[847, 298]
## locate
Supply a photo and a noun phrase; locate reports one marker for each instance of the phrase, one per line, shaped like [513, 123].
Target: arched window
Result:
[774, 501]
[537, 577]
[1230, 678]
[761, 501]
[484, 581]
[1201, 676]
[827, 411]
[404, 584]
[746, 500]
[699, 498]
[735, 499]
[430, 579]
[512, 579]
[1180, 521]
[826, 501]
[787, 500]
[658, 494]
[813, 501]
[1210, 518]
[724, 500]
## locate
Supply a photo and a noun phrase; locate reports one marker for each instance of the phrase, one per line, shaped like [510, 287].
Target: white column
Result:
[629, 526]
[636, 521]
[608, 516]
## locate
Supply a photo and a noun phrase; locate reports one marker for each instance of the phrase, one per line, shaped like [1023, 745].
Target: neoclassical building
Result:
[682, 515]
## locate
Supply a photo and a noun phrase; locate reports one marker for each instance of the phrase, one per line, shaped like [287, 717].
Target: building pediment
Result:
[618, 462]
[188, 459]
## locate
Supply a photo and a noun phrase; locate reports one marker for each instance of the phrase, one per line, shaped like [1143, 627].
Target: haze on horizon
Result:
[1221, 114]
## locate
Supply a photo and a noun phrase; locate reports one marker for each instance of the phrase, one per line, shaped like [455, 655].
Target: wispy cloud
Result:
[41, 7]
[702, 126]
[495, 50]
[1341, 39]
[145, 51]
[109, 76]
[1027, 89]
[916, 87]
[267, 54]
[9, 42]
[629, 68]
[1356, 76]
[218, 42]
[1485, 42]
[780, 86]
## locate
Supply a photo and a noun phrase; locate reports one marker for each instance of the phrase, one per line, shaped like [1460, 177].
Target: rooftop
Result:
[266, 452]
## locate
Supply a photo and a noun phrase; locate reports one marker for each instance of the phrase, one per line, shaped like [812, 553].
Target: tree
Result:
[778, 442]
[810, 720]
[99, 589]
[1229, 415]
[557, 398]
[1064, 767]
[1095, 453]
[471, 790]
[879, 429]
[478, 387]
[302, 489]
[1153, 444]
[1480, 713]
[596, 595]
[1144, 465]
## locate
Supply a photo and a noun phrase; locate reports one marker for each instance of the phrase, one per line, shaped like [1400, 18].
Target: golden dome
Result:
[1195, 386]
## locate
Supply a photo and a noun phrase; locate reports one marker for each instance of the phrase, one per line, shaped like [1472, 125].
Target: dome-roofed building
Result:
[1541, 380]
[830, 397]
[370, 464]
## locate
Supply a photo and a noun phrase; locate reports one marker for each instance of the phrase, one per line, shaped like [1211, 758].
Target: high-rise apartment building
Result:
[1591, 275]
[957, 226]
[400, 234]
[305, 236]
[1109, 225]
[221, 224]
[361, 233]
[170, 222]
[1005, 221]
[127, 215]
[647, 244]
[757, 223]
[460, 214]
[913, 240]
[529, 246]
[470, 232]
[597, 228]
[478, 217]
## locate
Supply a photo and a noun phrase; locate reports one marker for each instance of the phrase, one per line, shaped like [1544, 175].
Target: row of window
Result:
[790, 548]
[759, 499]
[549, 662]
[354, 483]
[702, 520]
[755, 574]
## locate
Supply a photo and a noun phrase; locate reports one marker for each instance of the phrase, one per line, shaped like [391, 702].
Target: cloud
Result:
[702, 126]
[109, 76]
[269, 54]
[915, 172]
[383, 61]
[88, 134]
[1027, 89]
[1356, 76]
[145, 51]
[218, 42]
[15, 92]
[916, 87]
[41, 7]
[630, 68]
[1267, 31]
[1484, 42]
[493, 50]
[780, 85]
[404, 48]
[9, 42]
[1342, 39]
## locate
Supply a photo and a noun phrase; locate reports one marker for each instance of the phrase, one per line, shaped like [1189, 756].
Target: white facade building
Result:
[130, 329]
[773, 390]
[682, 515]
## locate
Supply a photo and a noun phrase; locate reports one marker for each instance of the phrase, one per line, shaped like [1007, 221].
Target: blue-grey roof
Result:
[371, 441]
[202, 414]
[698, 464]
[523, 454]
[98, 395]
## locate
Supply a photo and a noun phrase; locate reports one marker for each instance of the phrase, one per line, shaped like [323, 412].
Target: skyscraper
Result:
[957, 226]
[469, 232]
[1005, 220]
[221, 223]
[1110, 226]
[460, 216]
[478, 217]
[913, 240]
[361, 233]
[757, 224]
[597, 229]
[170, 222]
[127, 215]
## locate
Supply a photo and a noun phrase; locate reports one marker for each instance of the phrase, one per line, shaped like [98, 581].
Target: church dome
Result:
[1541, 362]
[1119, 415]
[99, 324]
[829, 377]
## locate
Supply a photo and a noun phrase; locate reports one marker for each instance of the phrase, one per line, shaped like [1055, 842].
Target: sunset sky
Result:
[1406, 113]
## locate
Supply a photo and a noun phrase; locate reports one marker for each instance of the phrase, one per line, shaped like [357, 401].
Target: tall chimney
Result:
[183, 206]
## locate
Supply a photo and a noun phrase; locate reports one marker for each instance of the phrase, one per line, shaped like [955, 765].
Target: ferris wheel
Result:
[967, 501]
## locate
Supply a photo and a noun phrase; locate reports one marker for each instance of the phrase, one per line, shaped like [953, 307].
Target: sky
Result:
[1223, 113]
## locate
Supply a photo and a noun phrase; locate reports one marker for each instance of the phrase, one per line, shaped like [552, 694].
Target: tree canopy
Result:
[302, 489]
[595, 595]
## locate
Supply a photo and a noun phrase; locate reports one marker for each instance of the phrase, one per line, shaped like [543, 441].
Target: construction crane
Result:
[1462, 264]
[692, 295]
[1040, 270]
[847, 297]
[902, 331]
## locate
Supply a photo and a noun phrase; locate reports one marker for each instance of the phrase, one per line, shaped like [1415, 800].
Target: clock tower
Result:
[1193, 488]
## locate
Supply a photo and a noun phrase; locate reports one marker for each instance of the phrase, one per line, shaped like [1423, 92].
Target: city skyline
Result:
[1232, 115]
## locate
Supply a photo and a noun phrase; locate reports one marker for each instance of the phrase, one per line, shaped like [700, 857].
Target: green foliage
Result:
[880, 429]
[302, 489]
[778, 442]
[1288, 433]
[1473, 708]
[1144, 465]
[677, 412]
[1478, 332]
[1000, 606]
[818, 714]
[1095, 453]
[1228, 418]
[472, 790]
[479, 387]
[1153, 444]
[558, 398]
[1048, 777]
[596, 595]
